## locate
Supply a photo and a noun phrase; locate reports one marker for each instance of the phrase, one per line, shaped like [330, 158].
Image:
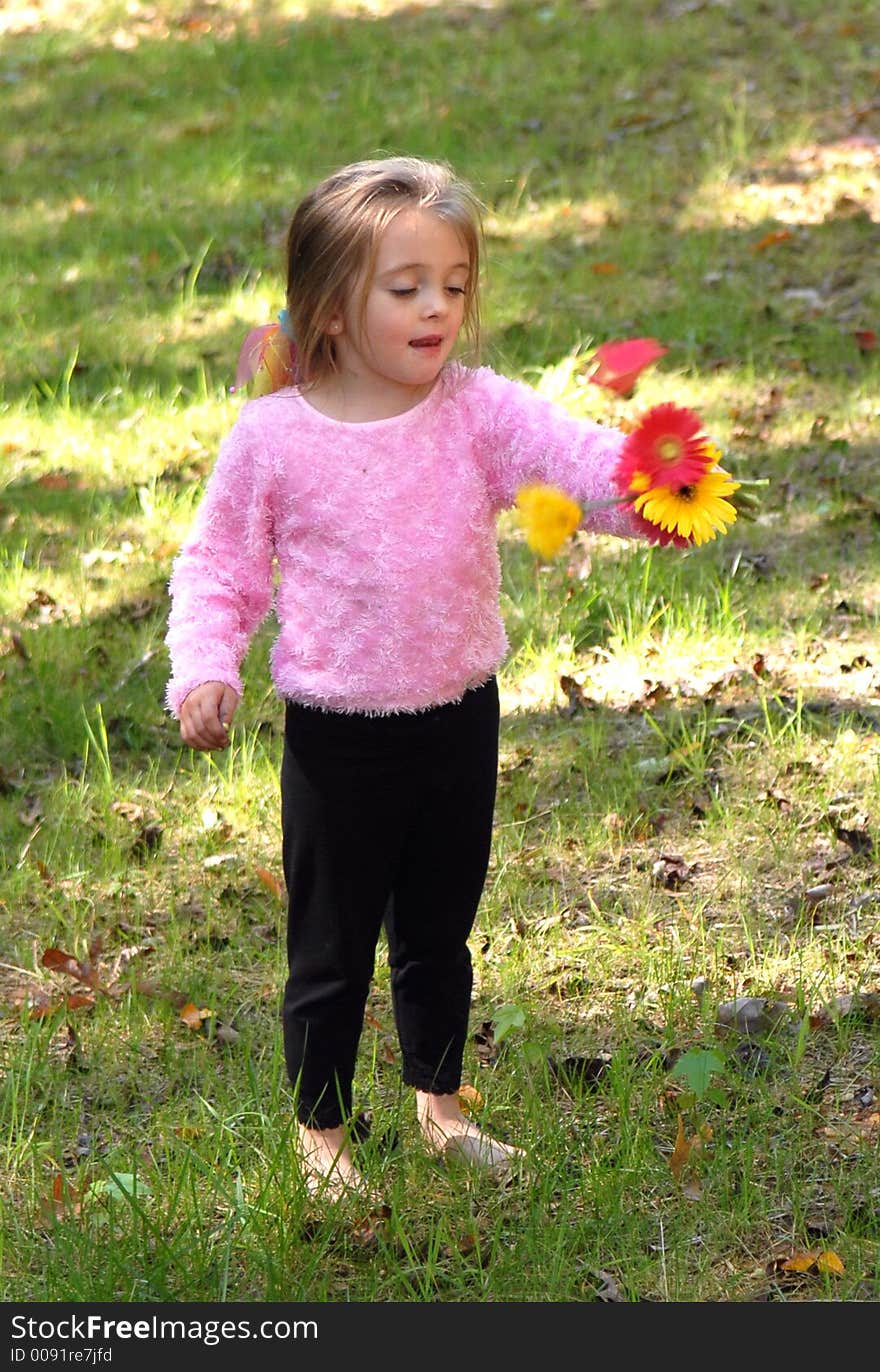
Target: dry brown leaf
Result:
[192, 1016]
[40, 1005]
[681, 1152]
[770, 240]
[800, 1262]
[59, 961]
[469, 1099]
[817, 1260]
[671, 871]
[65, 1201]
[270, 881]
[486, 1048]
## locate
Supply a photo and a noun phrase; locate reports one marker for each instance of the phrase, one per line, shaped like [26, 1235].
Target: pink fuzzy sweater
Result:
[384, 538]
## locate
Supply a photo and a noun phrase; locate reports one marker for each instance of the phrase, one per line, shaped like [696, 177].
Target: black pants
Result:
[385, 819]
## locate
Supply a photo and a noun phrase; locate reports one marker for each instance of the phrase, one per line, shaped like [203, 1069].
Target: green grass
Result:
[658, 822]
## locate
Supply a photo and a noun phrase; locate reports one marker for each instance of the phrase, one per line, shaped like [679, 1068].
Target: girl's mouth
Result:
[429, 341]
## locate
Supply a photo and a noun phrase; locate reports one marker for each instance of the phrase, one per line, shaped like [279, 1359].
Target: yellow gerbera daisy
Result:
[697, 512]
[548, 517]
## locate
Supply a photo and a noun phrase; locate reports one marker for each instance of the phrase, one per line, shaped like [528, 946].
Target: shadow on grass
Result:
[165, 209]
[63, 665]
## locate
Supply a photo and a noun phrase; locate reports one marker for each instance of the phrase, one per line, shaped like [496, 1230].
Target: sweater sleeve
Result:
[222, 580]
[525, 438]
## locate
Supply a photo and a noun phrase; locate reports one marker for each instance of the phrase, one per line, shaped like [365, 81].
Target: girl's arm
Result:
[525, 438]
[221, 583]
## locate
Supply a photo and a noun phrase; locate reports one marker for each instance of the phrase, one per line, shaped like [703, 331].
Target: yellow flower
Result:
[548, 517]
[698, 511]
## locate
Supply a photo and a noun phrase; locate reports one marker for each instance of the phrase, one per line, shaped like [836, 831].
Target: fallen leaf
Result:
[59, 961]
[487, 1048]
[64, 1201]
[859, 840]
[365, 1233]
[799, 1262]
[866, 340]
[469, 1099]
[466, 1244]
[40, 1004]
[577, 698]
[270, 881]
[864, 1003]
[770, 240]
[604, 268]
[820, 1261]
[192, 1016]
[681, 1152]
[671, 871]
[609, 1291]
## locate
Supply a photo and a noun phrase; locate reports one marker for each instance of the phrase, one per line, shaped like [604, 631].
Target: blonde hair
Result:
[333, 240]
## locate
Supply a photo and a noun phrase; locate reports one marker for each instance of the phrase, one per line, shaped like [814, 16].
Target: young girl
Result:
[369, 485]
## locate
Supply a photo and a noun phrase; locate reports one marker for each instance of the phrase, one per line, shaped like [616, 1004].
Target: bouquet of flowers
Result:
[668, 473]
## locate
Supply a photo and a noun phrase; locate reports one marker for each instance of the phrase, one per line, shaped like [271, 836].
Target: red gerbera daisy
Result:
[621, 363]
[666, 448]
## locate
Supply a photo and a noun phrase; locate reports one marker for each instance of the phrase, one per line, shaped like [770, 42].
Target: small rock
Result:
[751, 1014]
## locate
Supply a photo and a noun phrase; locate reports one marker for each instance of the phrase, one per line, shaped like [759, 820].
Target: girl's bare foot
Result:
[450, 1133]
[327, 1164]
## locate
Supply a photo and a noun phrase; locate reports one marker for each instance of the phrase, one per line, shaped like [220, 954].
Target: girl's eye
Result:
[456, 290]
[403, 290]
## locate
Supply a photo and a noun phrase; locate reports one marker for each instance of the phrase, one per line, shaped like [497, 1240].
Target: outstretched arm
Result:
[527, 439]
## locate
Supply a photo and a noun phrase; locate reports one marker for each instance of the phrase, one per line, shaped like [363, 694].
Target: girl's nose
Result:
[434, 301]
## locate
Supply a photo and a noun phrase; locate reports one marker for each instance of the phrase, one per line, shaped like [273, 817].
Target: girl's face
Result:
[413, 312]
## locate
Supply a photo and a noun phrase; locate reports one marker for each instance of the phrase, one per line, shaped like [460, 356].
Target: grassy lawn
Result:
[689, 784]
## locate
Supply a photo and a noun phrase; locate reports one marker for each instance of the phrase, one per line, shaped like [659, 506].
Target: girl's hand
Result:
[205, 716]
